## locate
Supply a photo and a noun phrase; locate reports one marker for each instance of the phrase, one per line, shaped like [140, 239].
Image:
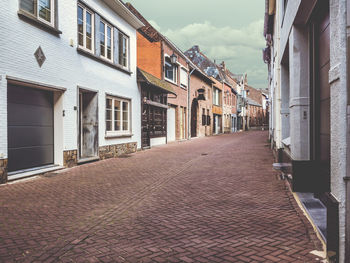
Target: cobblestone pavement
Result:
[213, 199]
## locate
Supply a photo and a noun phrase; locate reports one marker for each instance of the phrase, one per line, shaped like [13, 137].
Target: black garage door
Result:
[30, 128]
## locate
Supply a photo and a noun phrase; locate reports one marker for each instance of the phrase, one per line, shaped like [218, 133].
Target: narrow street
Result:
[213, 199]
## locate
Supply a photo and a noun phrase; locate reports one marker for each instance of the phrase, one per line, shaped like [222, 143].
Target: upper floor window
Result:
[217, 99]
[43, 10]
[123, 49]
[170, 70]
[85, 28]
[106, 36]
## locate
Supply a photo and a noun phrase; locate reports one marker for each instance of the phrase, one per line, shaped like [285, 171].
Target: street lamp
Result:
[173, 58]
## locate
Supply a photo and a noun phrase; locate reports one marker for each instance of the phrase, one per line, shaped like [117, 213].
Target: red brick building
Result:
[201, 99]
[159, 57]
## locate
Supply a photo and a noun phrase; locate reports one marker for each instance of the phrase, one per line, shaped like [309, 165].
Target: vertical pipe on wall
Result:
[347, 177]
[189, 105]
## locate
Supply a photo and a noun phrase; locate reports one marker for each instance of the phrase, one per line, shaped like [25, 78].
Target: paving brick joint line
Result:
[213, 199]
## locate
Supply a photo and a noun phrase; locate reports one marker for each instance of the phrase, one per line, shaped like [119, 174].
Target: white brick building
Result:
[83, 102]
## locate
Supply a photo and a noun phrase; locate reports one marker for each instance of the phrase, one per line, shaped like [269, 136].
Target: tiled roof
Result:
[203, 62]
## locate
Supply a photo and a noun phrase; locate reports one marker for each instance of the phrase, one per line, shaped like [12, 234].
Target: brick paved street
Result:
[214, 199]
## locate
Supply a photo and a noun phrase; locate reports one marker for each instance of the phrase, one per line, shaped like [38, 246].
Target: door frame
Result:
[79, 134]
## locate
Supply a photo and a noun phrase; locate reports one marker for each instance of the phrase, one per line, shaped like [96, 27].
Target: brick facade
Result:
[149, 56]
[197, 82]
[181, 99]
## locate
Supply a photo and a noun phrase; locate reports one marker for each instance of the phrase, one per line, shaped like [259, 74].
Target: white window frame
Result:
[124, 36]
[36, 12]
[175, 71]
[120, 132]
[106, 25]
[87, 10]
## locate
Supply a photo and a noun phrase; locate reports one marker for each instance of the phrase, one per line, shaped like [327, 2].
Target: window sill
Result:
[110, 136]
[104, 61]
[170, 81]
[36, 22]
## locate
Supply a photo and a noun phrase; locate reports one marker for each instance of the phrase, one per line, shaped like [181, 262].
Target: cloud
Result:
[240, 48]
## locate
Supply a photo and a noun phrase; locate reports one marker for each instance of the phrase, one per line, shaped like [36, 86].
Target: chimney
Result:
[223, 66]
[195, 48]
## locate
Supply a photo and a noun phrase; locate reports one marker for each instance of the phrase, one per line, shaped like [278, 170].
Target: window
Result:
[106, 40]
[217, 97]
[170, 70]
[43, 10]
[204, 118]
[208, 117]
[183, 77]
[85, 28]
[117, 116]
[123, 49]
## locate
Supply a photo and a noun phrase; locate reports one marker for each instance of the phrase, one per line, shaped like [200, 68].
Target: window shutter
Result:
[183, 77]
[97, 35]
[116, 45]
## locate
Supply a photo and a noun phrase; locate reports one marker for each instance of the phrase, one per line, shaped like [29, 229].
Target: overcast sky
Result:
[225, 30]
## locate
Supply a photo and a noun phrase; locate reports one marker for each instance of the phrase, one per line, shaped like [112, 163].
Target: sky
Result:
[224, 30]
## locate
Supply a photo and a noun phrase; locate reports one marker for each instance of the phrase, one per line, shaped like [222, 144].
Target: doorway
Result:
[194, 118]
[88, 124]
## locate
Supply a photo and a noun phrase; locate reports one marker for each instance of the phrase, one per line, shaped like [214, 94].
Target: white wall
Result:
[3, 115]
[65, 67]
[171, 135]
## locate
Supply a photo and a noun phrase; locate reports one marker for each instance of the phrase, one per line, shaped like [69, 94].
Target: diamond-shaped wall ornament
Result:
[40, 56]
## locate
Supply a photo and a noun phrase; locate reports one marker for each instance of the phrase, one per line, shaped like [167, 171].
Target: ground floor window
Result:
[117, 116]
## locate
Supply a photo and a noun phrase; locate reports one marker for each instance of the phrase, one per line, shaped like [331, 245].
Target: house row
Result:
[307, 54]
[88, 80]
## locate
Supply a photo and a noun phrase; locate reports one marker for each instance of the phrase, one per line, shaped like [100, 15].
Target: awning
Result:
[143, 76]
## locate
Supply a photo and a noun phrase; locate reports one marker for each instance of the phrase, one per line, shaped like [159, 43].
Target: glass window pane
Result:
[27, 5]
[109, 103]
[125, 115]
[108, 125]
[109, 42]
[117, 125]
[125, 125]
[88, 31]
[44, 7]
[80, 26]
[102, 39]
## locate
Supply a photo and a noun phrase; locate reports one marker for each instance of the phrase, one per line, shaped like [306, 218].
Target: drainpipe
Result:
[347, 177]
[189, 105]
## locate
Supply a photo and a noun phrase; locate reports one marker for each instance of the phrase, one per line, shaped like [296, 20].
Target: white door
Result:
[171, 124]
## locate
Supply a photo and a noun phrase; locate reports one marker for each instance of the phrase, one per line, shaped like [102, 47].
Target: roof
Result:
[203, 62]
[253, 102]
[154, 81]
[148, 31]
[119, 7]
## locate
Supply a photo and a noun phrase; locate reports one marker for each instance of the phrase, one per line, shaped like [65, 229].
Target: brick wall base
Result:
[112, 151]
[3, 171]
[70, 158]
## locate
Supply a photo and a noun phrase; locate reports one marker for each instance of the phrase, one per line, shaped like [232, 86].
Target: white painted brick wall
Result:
[3, 116]
[65, 67]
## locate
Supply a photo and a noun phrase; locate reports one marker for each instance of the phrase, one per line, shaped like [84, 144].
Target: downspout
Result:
[347, 176]
[189, 105]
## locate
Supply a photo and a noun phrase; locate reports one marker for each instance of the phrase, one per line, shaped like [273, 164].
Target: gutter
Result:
[189, 105]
